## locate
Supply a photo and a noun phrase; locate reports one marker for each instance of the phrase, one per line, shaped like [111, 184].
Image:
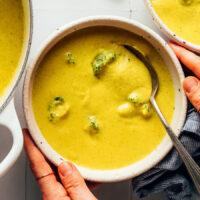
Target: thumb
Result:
[192, 88]
[74, 183]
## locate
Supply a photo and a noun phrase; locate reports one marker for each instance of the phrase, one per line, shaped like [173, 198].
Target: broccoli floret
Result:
[69, 58]
[57, 109]
[93, 122]
[135, 98]
[146, 110]
[93, 125]
[101, 60]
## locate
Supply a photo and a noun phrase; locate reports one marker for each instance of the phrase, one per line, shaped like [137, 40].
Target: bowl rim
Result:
[21, 67]
[167, 31]
[113, 175]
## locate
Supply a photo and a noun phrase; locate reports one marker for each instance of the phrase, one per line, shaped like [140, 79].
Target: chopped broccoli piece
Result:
[57, 109]
[93, 125]
[93, 122]
[101, 60]
[146, 110]
[135, 98]
[69, 58]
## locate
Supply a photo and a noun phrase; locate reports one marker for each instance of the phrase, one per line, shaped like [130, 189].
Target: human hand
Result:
[191, 84]
[72, 185]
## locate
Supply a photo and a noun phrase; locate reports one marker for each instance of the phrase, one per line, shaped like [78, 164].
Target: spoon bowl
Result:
[145, 60]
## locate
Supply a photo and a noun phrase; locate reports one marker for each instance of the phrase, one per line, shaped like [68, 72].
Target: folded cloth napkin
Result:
[170, 175]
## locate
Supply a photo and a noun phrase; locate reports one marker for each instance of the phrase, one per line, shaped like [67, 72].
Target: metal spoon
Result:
[191, 165]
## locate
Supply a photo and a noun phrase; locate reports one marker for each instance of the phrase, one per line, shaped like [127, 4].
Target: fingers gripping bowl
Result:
[110, 153]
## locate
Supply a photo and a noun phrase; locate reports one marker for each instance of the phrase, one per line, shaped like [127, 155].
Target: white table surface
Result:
[19, 183]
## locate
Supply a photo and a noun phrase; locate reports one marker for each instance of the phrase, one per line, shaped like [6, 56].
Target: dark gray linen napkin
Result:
[170, 175]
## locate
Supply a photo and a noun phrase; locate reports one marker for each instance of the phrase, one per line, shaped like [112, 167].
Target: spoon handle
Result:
[191, 165]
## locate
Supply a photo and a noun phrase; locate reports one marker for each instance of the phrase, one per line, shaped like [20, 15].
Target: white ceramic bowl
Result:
[173, 66]
[168, 32]
[8, 116]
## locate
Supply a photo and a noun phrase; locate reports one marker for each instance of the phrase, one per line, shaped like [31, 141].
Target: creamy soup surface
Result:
[11, 39]
[181, 16]
[90, 99]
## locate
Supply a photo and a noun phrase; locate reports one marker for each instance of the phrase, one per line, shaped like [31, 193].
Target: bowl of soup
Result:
[15, 39]
[178, 19]
[86, 98]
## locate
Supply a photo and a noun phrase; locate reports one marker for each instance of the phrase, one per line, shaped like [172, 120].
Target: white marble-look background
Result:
[19, 183]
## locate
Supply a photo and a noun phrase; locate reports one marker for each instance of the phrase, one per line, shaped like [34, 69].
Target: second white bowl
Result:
[169, 33]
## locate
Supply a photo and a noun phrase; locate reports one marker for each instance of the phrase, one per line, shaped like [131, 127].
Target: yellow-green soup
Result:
[11, 39]
[90, 118]
[181, 16]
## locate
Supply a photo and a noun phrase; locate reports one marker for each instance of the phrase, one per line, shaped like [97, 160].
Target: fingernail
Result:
[191, 84]
[65, 169]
